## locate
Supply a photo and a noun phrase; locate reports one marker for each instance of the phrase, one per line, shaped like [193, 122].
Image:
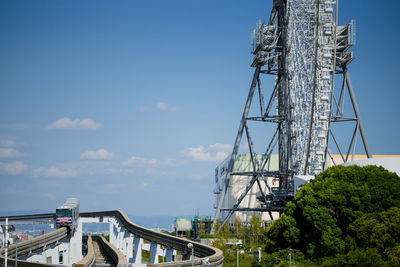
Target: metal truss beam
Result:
[304, 48]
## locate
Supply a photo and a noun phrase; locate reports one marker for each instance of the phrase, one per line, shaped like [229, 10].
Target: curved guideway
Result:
[101, 256]
[31, 245]
[106, 254]
[101, 253]
[202, 252]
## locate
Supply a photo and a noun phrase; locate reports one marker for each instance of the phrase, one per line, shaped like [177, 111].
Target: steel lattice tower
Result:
[305, 49]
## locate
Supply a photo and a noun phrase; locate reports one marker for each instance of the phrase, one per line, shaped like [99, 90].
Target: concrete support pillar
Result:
[138, 249]
[120, 239]
[169, 253]
[75, 244]
[154, 247]
[116, 232]
[113, 232]
[128, 241]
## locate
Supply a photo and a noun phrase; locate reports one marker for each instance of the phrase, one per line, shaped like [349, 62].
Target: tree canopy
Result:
[344, 212]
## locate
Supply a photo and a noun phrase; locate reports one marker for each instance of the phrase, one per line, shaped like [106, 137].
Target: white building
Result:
[238, 183]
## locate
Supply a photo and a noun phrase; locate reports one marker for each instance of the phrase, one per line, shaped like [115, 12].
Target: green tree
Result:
[225, 233]
[342, 209]
[239, 229]
[380, 230]
[222, 236]
[393, 255]
[255, 231]
[216, 226]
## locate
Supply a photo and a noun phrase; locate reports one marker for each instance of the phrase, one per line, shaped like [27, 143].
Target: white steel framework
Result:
[304, 48]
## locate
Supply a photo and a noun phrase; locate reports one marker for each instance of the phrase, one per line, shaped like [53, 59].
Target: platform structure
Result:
[305, 50]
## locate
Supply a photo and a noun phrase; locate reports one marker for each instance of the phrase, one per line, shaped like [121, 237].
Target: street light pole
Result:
[238, 246]
[190, 245]
[16, 251]
[237, 256]
[6, 243]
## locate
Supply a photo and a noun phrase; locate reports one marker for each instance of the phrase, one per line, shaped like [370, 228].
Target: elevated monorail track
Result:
[89, 259]
[202, 252]
[32, 245]
[107, 252]
[101, 253]
[28, 217]
[36, 243]
[44, 218]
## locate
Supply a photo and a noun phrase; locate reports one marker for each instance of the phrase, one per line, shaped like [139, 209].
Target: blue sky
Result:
[131, 104]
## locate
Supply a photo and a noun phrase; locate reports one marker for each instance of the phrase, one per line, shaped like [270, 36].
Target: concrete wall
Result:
[238, 184]
[391, 163]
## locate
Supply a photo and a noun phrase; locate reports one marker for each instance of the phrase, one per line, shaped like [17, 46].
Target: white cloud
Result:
[139, 161]
[15, 167]
[162, 106]
[100, 154]
[166, 107]
[7, 143]
[120, 171]
[9, 153]
[76, 124]
[55, 171]
[212, 153]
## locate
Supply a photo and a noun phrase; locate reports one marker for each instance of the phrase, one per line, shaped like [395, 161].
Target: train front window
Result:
[64, 213]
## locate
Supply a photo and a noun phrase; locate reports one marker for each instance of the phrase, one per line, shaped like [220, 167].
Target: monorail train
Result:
[67, 214]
